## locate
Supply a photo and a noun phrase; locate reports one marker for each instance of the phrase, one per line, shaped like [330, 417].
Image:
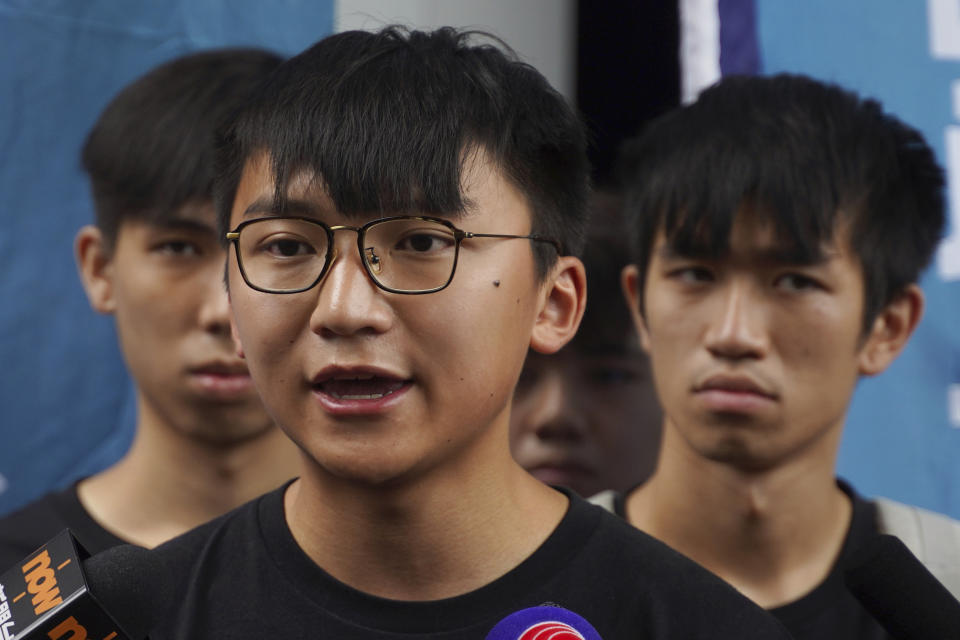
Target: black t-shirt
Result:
[244, 576]
[24, 531]
[830, 610]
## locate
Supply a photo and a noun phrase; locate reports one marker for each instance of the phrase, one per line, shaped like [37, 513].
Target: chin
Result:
[226, 432]
[740, 455]
[360, 470]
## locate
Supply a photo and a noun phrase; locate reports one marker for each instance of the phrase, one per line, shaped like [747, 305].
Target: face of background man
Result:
[587, 417]
[756, 358]
[163, 284]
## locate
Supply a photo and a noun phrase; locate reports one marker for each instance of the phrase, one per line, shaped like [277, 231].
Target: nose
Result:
[553, 414]
[215, 308]
[737, 330]
[348, 302]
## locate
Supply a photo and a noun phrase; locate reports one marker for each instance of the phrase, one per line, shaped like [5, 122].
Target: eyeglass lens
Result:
[284, 254]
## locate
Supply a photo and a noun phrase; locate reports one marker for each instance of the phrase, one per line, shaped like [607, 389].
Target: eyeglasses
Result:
[401, 254]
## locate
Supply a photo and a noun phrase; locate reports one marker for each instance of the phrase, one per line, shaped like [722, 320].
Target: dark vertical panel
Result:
[628, 70]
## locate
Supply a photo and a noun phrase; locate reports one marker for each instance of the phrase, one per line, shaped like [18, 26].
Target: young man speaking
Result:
[402, 211]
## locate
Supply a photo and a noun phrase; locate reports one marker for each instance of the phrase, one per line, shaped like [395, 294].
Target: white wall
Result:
[542, 32]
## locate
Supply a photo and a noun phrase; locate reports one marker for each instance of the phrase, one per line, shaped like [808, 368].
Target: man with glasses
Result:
[153, 260]
[402, 210]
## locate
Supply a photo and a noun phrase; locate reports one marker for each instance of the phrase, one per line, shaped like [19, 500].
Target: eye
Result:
[287, 247]
[424, 242]
[177, 248]
[691, 274]
[612, 375]
[796, 282]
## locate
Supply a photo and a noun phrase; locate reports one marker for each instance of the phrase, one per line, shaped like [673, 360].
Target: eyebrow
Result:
[770, 255]
[184, 224]
[266, 206]
[624, 348]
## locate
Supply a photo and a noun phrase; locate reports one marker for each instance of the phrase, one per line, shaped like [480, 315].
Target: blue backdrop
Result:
[903, 433]
[66, 404]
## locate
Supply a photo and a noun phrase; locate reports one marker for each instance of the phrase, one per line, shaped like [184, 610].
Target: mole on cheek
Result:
[496, 283]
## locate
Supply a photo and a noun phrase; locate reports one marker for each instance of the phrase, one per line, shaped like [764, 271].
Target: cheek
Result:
[267, 328]
[479, 331]
[153, 309]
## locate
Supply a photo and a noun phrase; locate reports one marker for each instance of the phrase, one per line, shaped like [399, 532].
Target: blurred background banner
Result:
[66, 404]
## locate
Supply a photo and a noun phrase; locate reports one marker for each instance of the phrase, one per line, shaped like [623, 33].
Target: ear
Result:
[95, 266]
[891, 329]
[562, 303]
[630, 284]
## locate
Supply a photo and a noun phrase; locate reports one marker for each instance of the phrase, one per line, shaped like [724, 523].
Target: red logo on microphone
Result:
[551, 631]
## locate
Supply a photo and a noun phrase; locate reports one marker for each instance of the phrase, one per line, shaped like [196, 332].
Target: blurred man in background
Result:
[203, 443]
[587, 417]
[781, 227]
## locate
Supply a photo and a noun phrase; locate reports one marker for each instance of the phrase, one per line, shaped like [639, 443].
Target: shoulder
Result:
[677, 597]
[232, 534]
[933, 537]
[26, 529]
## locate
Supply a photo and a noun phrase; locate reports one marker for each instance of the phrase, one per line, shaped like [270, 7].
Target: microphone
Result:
[901, 593]
[541, 623]
[60, 593]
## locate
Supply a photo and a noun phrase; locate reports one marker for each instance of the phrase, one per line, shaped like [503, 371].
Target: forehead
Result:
[755, 237]
[484, 190]
[195, 215]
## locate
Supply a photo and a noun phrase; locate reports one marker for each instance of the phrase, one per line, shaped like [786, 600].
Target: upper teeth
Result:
[370, 396]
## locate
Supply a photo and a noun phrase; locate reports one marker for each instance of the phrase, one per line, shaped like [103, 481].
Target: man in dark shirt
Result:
[203, 442]
[587, 417]
[404, 210]
[781, 227]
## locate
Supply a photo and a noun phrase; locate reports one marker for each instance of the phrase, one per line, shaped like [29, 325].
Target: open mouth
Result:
[359, 387]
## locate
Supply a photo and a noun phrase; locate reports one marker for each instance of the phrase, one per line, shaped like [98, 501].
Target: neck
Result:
[446, 532]
[773, 534]
[169, 482]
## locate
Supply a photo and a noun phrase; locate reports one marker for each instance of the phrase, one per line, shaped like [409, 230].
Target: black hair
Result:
[387, 121]
[607, 252]
[152, 150]
[801, 155]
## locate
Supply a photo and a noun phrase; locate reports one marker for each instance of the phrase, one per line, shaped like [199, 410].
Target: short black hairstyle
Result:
[153, 148]
[387, 121]
[801, 155]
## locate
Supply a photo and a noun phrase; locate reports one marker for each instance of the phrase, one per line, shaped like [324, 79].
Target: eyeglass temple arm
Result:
[556, 243]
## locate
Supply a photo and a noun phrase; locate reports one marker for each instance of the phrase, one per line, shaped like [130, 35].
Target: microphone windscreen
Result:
[127, 582]
[901, 593]
[543, 623]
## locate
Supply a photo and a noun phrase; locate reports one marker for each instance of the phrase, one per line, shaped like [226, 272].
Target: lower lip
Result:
[360, 406]
[723, 401]
[224, 386]
[564, 476]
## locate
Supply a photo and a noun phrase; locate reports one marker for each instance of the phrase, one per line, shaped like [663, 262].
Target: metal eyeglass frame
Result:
[459, 236]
